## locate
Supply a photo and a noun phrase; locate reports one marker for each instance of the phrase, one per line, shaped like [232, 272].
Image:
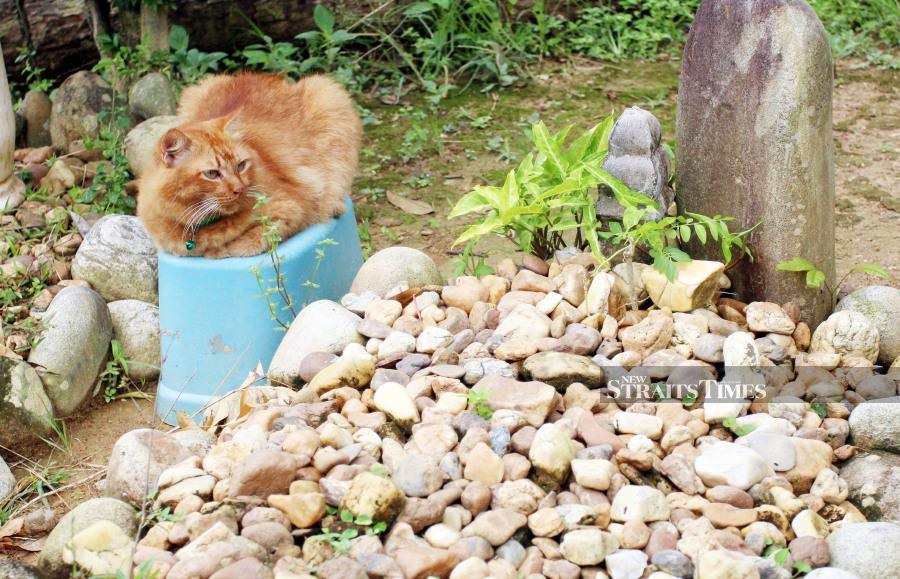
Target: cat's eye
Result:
[243, 165]
[212, 174]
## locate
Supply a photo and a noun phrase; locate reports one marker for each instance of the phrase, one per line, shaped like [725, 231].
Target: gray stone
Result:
[119, 260]
[12, 569]
[866, 549]
[140, 142]
[674, 563]
[73, 346]
[881, 305]
[136, 461]
[77, 103]
[35, 109]
[77, 520]
[875, 424]
[636, 158]
[136, 327]
[560, 369]
[394, 266]
[874, 483]
[24, 405]
[151, 96]
[7, 480]
[418, 475]
[753, 131]
[322, 326]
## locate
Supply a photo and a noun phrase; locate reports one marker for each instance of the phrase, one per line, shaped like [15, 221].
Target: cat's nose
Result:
[238, 190]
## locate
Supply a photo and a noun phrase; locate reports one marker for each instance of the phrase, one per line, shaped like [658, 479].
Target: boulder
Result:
[867, 549]
[873, 482]
[140, 142]
[78, 519]
[73, 346]
[36, 107]
[394, 266]
[24, 405]
[696, 285]
[152, 96]
[880, 304]
[136, 461]
[848, 333]
[753, 134]
[875, 424]
[136, 327]
[76, 105]
[119, 260]
[322, 326]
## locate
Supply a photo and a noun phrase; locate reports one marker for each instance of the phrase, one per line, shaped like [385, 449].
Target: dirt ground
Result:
[477, 138]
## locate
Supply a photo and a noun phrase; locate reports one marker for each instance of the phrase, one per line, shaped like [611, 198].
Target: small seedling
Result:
[478, 403]
[816, 278]
[738, 430]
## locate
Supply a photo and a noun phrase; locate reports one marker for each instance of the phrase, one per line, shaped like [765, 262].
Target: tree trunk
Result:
[10, 185]
[155, 27]
[98, 18]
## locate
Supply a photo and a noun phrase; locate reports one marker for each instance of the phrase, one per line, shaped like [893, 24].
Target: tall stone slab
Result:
[754, 140]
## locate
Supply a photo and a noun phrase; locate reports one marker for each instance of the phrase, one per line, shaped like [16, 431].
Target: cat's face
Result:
[210, 171]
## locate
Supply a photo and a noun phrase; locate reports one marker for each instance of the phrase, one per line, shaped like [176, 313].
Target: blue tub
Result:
[215, 322]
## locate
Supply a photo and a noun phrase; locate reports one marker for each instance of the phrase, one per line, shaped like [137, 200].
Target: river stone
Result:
[73, 347]
[696, 285]
[560, 369]
[727, 463]
[36, 107]
[136, 461]
[551, 454]
[81, 517]
[639, 503]
[151, 96]
[7, 480]
[118, 259]
[875, 424]
[77, 103]
[12, 569]
[26, 410]
[322, 326]
[880, 304]
[140, 142]
[867, 549]
[848, 333]
[136, 326]
[394, 266]
[636, 158]
[753, 132]
[873, 480]
[533, 400]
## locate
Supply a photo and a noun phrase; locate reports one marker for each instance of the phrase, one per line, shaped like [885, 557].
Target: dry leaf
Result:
[411, 206]
[12, 527]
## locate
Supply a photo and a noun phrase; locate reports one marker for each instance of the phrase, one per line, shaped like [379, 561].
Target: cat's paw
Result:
[338, 210]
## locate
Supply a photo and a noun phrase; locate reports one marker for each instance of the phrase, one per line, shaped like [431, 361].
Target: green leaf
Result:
[677, 254]
[872, 269]
[803, 567]
[347, 516]
[178, 38]
[624, 194]
[781, 556]
[489, 225]
[796, 264]
[815, 278]
[548, 147]
[473, 201]
[685, 232]
[701, 232]
[324, 19]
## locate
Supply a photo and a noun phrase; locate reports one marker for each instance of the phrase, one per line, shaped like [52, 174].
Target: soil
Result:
[463, 146]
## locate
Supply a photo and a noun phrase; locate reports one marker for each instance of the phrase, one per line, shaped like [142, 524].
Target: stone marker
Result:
[754, 140]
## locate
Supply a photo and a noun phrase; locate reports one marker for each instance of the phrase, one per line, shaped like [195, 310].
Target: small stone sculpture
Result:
[636, 158]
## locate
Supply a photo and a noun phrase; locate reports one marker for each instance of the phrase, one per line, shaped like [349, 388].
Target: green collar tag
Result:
[190, 244]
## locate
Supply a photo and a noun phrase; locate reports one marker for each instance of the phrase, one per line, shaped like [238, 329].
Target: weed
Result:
[816, 278]
[34, 75]
[113, 381]
[61, 431]
[36, 483]
[478, 402]
[689, 399]
[470, 263]
[310, 284]
[738, 430]
[365, 238]
[190, 64]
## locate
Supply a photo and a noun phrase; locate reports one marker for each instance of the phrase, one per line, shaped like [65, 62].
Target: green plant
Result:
[819, 408]
[553, 191]
[113, 380]
[738, 430]
[467, 262]
[61, 432]
[689, 398]
[478, 402]
[816, 278]
[310, 284]
[190, 64]
[144, 571]
[34, 75]
[340, 542]
[372, 528]
[40, 480]
[274, 286]
[781, 555]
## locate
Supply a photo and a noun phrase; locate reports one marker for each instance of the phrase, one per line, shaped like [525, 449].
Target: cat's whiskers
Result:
[209, 207]
[191, 208]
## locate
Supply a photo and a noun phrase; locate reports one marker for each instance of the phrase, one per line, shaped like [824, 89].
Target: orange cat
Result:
[243, 136]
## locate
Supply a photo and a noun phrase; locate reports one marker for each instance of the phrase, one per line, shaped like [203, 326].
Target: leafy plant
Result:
[190, 64]
[113, 381]
[816, 278]
[108, 190]
[34, 75]
[553, 191]
[275, 286]
[470, 263]
[738, 430]
[478, 402]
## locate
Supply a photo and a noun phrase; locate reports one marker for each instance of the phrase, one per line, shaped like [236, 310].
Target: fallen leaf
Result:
[411, 206]
[12, 527]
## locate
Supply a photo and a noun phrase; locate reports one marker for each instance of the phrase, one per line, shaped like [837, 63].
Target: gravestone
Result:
[754, 140]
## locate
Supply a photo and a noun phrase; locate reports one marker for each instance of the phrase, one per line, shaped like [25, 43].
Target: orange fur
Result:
[246, 134]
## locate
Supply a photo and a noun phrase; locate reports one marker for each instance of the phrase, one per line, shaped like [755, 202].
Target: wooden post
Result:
[10, 185]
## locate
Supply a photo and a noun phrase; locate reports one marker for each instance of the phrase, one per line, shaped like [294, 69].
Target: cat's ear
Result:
[230, 124]
[173, 147]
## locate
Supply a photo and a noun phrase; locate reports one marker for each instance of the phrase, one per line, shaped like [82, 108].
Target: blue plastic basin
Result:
[215, 321]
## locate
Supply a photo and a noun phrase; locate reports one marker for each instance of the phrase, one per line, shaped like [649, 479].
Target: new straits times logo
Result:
[640, 387]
